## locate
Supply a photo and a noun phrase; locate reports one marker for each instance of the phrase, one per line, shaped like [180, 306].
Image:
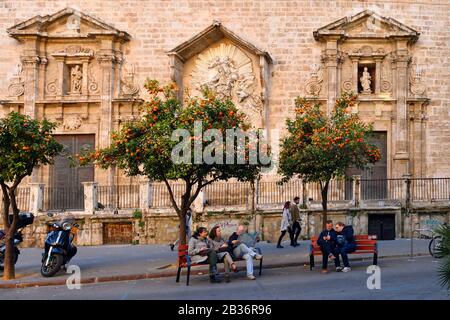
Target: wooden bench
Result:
[364, 244]
[184, 261]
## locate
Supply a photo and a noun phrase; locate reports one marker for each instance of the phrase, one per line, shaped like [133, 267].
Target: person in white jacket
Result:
[286, 224]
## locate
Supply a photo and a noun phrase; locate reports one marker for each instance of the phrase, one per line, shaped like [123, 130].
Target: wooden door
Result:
[65, 191]
[117, 233]
[382, 225]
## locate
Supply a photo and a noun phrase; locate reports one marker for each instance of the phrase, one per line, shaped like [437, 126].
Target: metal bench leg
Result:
[188, 275]
[375, 258]
[260, 266]
[178, 274]
[311, 262]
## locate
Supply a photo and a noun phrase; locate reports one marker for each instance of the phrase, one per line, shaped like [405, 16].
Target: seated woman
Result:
[200, 250]
[240, 250]
[221, 247]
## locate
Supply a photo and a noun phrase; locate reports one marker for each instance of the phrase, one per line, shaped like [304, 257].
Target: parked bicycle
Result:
[434, 245]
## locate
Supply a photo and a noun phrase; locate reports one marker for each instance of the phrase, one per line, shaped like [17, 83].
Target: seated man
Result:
[345, 244]
[201, 250]
[241, 250]
[327, 242]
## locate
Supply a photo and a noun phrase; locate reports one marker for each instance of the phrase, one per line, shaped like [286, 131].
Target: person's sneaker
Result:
[258, 256]
[171, 246]
[339, 269]
[324, 271]
[251, 277]
[330, 257]
[346, 269]
[279, 246]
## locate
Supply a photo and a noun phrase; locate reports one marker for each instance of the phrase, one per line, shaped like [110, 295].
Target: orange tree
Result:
[319, 147]
[24, 144]
[148, 146]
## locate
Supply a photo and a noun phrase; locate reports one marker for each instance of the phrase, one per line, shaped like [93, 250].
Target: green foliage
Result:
[137, 214]
[144, 147]
[443, 252]
[319, 147]
[24, 144]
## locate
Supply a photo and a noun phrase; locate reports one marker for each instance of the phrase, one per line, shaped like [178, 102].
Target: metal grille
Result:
[118, 197]
[63, 198]
[227, 193]
[382, 189]
[430, 189]
[272, 192]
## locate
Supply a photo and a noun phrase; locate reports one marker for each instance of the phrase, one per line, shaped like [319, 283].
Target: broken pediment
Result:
[65, 23]
[366, 24]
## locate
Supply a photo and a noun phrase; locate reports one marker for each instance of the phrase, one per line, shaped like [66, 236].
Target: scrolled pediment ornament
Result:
[314, 84]
[17, 85]
[416, 85]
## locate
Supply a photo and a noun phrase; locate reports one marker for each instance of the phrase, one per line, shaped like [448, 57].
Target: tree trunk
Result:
[324, 192]
[9, 272]
[183, 227]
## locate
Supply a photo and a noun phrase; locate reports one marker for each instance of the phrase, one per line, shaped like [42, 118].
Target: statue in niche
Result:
[366, 81]
[76, 78]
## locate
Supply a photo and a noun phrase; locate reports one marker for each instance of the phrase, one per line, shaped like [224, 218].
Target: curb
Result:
[143, 276]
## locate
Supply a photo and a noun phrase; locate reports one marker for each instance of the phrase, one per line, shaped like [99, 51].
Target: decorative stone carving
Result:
[228, 71]
[415, 82]
[17, 86]
[72, 122]
[76, 77]
[93, 85]
[314, 84]
[385, 85]
[366, 81]
[74, 51]
[52, 88]
[129, 87]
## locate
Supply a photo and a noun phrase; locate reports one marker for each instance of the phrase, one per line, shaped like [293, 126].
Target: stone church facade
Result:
[84, 67]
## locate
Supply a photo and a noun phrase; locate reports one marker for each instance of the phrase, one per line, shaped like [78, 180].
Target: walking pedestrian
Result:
[296, 227]
[286, 224]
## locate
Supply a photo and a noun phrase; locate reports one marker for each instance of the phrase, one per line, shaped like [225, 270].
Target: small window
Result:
[369, 71]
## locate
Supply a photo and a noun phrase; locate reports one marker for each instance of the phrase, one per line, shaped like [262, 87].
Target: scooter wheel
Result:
[55, 263]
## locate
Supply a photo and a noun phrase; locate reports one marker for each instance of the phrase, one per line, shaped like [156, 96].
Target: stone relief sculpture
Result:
[76, 77]
[385, 85]
[416, 86]
[17, 86]
[314, 84]
[129, 87]
[366, 81]
[72, 122]
[228, 71]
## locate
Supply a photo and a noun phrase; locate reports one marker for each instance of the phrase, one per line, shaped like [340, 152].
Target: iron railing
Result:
[63, 198]
[271, 192]
[23, 198]
[118, 197]
[227, 193]
[430, 189]
[382, 189]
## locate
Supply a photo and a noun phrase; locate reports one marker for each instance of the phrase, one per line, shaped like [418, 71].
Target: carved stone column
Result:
[30, 65]
[402, 156]
[355, 73]
[378, 74]
[331, 59]
[106, 60]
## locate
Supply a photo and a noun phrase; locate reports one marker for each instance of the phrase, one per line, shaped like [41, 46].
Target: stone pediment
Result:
[67, 23]
[209, 36]
[366, 24]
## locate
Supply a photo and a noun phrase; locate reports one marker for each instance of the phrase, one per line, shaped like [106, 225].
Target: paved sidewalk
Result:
[131, 262]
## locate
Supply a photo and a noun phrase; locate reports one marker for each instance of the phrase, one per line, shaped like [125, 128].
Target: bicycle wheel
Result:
[434, 244]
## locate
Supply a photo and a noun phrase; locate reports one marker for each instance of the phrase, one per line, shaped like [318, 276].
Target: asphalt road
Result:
[400, 279]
